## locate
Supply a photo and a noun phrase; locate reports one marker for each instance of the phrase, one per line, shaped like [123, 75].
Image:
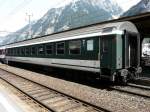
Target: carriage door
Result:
[106, 52]
[132, 49]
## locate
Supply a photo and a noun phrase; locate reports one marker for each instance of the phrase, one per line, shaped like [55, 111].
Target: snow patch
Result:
[65, 27]
[50, 30]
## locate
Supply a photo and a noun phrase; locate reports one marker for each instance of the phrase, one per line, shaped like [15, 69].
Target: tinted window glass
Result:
[8, 52]
[105, 45]
[49, 49]
[14, 51]
[40, 50]
[11, 50]
[27, 51]
[75, 47]
[33, 50]
[18, 51]
[22, 51]
[60, 48]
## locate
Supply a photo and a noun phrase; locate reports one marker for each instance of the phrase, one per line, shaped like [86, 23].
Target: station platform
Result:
[10, 102]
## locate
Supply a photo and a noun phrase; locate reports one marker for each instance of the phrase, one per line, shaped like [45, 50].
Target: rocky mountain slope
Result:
[142, 7]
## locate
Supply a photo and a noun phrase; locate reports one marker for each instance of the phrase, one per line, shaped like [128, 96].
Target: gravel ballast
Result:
[110, 100]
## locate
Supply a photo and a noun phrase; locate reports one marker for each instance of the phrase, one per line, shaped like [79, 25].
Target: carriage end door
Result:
[106, 52]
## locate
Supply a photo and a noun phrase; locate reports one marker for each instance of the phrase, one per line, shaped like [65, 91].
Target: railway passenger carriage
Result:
[110, 50]
[2, 54]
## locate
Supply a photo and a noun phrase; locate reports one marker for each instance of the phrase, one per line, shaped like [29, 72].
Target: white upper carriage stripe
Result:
[69, 38]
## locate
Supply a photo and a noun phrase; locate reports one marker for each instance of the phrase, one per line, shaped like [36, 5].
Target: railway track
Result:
[34, 106]
[133, 89]
[53, 100]
[145, 81]
[139, 86]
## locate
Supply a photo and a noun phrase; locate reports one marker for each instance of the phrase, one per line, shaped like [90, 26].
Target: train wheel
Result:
[124, 80]
[121, 79]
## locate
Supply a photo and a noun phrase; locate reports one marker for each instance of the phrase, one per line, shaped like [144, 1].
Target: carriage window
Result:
[49, 49]
[33, 51]
[22, 51]
[60, 48]
[0, 52]
[11, 50]
[105, 45]
[40, 50]
[90, 45]
[9, 53]
[27, 51]
[75, 47]
[14, 51]
[146, 47]
[18, 51]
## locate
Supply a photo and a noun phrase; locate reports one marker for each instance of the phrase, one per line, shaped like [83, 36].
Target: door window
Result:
[105, 45]
[90, 45]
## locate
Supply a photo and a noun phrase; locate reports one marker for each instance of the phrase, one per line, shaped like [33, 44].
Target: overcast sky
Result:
[13, 12]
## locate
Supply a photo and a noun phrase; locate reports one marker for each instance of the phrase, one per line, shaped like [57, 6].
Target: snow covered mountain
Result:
[75, 13]
[141, 7]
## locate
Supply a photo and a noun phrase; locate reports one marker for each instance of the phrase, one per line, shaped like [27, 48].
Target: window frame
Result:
[89, 50]
[52, 48]
[14, 51]
[38, 52]
[27, 54]
[9, 52]
[18, 51]
[61, 48]
[35, 52]
[70, 49]
[105, 45]
[23, 51]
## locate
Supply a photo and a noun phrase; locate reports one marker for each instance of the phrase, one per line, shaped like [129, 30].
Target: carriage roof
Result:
[89, 31]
